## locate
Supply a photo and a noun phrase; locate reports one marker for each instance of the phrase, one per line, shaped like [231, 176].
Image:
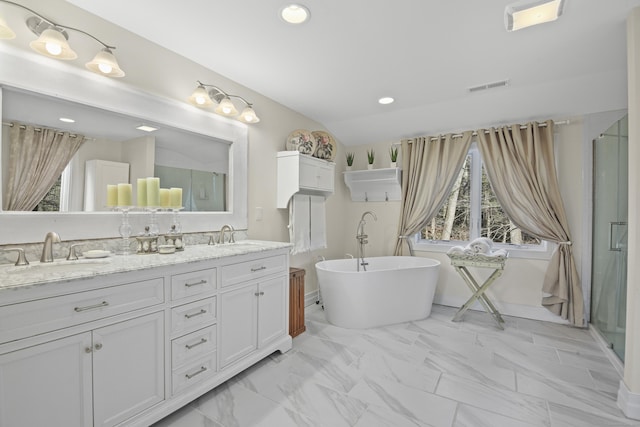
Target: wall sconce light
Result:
[52, 42]
[206, 95]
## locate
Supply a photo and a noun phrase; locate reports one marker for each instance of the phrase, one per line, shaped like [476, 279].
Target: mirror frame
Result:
[27, 71]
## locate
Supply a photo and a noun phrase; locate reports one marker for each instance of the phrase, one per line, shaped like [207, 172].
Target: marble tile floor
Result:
[432, 372]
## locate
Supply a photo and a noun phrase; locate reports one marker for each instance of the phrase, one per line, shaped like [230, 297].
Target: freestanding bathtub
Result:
[394, 289]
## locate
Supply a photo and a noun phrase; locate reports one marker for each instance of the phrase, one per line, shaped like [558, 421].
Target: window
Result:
[471, 211]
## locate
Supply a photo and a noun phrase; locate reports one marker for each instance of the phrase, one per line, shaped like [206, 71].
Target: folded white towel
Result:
[299, 224]
[481, 245]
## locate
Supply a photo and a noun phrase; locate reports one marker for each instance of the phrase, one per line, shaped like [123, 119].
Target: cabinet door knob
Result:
[98, 346]
[88, 350]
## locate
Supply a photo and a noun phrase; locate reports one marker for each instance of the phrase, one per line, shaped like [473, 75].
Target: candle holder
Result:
[175, 225]
[153, 220]
[124, 230]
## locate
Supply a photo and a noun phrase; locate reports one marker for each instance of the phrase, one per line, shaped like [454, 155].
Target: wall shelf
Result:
[376, 185]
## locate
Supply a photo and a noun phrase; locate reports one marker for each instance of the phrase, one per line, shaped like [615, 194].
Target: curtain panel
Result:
[430, 166]
[520, 164]
[37, 157]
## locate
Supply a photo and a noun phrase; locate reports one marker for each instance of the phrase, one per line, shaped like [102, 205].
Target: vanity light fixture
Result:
[206, 95]
[526, 13]
[6, 32]
[295, 14]
[53, 42]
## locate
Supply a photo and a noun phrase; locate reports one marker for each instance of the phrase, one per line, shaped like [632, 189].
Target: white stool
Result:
[460, 263]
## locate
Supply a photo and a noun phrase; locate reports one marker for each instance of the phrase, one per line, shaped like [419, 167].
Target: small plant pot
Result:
[369, 167]
[349, 168]
[393, 165]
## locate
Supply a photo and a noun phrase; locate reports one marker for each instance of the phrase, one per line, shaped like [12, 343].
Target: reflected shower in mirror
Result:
[138, 147]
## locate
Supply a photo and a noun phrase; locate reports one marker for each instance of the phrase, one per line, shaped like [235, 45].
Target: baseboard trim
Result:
[628, 402]
[310, 298]
[516, 310]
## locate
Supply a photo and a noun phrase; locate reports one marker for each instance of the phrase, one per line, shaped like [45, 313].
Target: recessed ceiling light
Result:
[295, 14]
[146, 128]
[526, 13]
[386, 100]
[66, 120]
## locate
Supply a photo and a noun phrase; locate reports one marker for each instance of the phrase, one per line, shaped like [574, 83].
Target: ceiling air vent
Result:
[493, 85]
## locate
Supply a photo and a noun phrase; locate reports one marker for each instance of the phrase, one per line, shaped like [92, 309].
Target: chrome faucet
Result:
[47, 250]
[361, 237]
[224, 228]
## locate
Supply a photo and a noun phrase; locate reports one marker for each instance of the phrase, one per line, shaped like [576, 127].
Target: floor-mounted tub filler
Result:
[394, 289]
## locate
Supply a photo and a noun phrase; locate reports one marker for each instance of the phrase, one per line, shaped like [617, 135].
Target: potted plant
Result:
[350, 157]
[371, 156]
[393, 153]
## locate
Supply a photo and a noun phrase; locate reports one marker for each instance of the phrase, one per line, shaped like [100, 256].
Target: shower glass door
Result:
[609, 266]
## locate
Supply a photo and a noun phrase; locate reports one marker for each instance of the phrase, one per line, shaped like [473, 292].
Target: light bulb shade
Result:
[6, 32]
[226, 108]
[200, 97]
[105, 63]
[53, 44]
[248, 115]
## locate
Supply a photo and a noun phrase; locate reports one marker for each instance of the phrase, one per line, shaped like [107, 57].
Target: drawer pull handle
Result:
[198, 372]
[189, 316]
[253, 270]
[90, 307]
[201, 282]
[190, 346]
[259, 293]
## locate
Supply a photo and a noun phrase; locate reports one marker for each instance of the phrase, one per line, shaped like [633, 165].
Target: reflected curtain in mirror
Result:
[37, 157]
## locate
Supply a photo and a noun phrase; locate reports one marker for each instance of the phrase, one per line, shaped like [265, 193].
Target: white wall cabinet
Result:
[113, 351]
[301, 173]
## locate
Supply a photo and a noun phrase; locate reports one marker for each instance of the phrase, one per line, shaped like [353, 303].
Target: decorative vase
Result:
[393, 165]
[348, 168]
[369, 166]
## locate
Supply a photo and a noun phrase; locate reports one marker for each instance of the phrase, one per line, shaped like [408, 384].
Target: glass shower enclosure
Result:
[609, 265]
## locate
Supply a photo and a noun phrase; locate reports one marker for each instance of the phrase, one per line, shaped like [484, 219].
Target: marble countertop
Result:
[12, 277]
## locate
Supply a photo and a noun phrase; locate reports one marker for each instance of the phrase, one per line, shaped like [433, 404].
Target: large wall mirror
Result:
[115, 150]
[202, 153]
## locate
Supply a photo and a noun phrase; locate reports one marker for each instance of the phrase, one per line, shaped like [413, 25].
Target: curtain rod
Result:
[475, 133]
[58, 132]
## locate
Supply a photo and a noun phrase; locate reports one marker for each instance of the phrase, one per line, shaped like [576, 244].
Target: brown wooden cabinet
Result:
[296, 301]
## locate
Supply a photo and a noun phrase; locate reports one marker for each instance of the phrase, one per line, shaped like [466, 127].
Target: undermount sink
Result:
[59, 266]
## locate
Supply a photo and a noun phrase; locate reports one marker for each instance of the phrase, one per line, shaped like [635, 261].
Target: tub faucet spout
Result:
[361, 237]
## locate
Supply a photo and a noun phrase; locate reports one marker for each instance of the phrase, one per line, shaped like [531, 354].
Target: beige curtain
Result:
[430, 166]
[37, 157]
[520, 164]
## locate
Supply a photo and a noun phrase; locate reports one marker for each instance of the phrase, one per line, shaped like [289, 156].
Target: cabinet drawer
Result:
[248, 270]
[40, 316]
[193, 283]
[192, 316]
[192, 346]
[193, 373]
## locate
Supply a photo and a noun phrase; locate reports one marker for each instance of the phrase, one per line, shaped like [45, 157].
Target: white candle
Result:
[164, 197]
[142, 192]
[124, 194]
[176, 197]
[112, 195]
[153, 191]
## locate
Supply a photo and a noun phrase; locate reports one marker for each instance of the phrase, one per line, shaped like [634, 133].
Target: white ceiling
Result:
[424, 53]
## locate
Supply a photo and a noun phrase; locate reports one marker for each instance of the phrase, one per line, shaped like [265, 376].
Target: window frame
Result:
[543, 251]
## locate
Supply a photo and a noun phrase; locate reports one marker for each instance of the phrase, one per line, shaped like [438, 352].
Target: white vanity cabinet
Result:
[131, 345]
[253, 306]
[74, 376]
